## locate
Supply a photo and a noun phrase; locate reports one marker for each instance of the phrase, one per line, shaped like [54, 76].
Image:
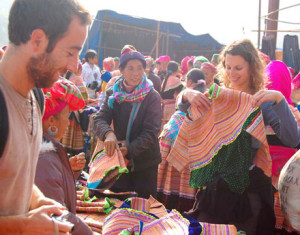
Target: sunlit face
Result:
[238, 72]
[61, 121]
[133, 72]
[209, 75]
[46, 68]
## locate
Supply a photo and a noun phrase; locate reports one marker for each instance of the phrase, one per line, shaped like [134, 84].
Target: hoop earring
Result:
[51, 132]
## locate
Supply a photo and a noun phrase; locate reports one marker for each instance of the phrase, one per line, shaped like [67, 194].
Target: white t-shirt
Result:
[90, 73]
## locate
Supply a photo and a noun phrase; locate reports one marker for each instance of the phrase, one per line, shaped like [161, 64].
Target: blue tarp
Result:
[110, 31]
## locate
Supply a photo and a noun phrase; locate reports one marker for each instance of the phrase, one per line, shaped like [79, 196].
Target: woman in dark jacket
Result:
[134, 107]
[55, 173]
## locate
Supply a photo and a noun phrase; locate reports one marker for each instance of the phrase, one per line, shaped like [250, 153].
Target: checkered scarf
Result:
[137, 95]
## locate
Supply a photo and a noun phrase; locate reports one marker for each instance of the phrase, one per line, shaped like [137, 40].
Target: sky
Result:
[226, 21]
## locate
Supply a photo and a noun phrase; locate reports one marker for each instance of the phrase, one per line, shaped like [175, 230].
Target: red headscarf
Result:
[61, 94]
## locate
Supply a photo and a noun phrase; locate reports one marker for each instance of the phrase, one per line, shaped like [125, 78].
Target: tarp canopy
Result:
[110, 31]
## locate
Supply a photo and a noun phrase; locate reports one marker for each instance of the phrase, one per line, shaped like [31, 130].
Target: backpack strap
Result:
[3, 123]
[39, 95]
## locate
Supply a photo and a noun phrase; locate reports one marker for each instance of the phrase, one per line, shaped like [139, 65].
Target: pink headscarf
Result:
[279, 78]
[296, 82]
[163, 58]
[108, 64]
[184, 67]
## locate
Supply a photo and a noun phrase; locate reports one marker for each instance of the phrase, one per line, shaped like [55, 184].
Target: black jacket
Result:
[144, 146]
[155, 80]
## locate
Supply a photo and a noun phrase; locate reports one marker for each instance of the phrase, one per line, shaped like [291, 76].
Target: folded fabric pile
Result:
[142, 216]
[105, 170]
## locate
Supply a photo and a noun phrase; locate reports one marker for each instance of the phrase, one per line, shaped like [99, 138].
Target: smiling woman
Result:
[134, 107]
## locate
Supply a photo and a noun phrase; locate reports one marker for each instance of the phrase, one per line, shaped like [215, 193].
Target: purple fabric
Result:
[279, 79]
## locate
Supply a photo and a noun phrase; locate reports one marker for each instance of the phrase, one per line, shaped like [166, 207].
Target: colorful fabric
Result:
[106, 169]
[215, 58]
[184, 65]
[121, 219]
[149, 61]
[218, 229]
[108, 64]
[210, 128]
[163, 58]
[150, 205]
[296, 82]
[137, 95]
[126, 49]
[279, 79]
[168, 108]
[104, 206]
[173, 186]
[73, 137]
[281, 222]
[173, 223]
[173, 82]
[198, 60]
[61, 94]
[209, 66]
[171, 129]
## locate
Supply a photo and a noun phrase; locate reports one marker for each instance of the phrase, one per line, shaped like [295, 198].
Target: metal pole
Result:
[259, 15]
[272, 24]
[157, 38]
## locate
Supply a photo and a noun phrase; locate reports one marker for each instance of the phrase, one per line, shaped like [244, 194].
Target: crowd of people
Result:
[206, 137]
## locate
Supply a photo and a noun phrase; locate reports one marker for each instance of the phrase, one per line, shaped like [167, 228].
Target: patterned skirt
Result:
[173, 186]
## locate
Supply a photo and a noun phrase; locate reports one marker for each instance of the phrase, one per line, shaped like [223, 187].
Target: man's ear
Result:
[38, 41]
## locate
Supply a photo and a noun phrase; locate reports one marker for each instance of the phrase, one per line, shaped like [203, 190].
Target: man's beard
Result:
[42, 70]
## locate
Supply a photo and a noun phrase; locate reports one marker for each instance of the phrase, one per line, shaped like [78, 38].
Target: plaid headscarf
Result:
[137, 95]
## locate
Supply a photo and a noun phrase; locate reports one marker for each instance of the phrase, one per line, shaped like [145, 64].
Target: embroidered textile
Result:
[105, 170]
[224, 129]
[137, 95]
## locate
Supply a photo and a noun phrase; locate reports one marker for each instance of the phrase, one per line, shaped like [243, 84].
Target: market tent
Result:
[110, 31]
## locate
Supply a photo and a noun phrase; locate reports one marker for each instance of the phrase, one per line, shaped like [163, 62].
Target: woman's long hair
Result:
[245, 49]
[171, 68]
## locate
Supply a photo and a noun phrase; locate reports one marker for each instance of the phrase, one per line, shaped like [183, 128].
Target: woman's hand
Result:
[110, 143]
[124, 151]
[196, 98]
[78, 162]
[266, 95]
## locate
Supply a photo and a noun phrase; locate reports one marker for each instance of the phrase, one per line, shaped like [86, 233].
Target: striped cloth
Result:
[168, 108]
[93, 220]
[218, 229]
[105, 169]
[73, 137]
[122, 219]
[281, 222]
[280, 154]
[150, 205]
[173, 186]
[104, 205]
[230, 115]
[173, 223]
[140, 204]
